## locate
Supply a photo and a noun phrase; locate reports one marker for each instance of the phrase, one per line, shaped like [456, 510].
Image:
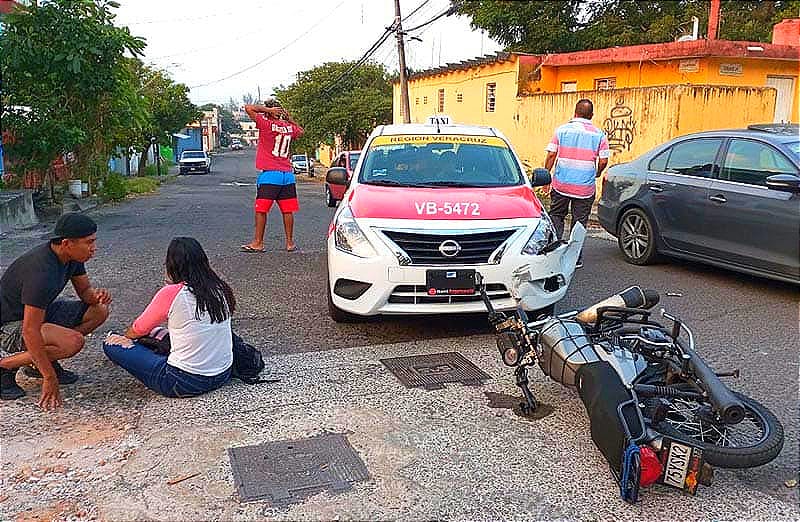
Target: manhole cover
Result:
[432, 371]
[288, 471]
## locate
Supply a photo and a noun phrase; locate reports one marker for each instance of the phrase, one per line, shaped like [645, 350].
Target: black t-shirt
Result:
[35, 279]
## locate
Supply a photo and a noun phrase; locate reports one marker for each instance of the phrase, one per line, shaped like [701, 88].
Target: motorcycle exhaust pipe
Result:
[724, 402]
[633, 297]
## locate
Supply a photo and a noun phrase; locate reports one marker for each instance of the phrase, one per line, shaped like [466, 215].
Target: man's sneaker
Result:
[9, 390]
[64, 376]
[579, 264]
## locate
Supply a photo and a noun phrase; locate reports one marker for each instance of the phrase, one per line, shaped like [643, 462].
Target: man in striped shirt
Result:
[580, 152]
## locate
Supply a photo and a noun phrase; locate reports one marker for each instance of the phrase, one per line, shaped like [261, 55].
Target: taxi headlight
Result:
[349, 237]
[543, 236]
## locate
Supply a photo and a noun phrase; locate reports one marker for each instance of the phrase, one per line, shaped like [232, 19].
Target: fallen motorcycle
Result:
[657, 411]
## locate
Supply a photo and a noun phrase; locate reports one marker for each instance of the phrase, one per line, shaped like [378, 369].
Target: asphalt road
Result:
[739, 321]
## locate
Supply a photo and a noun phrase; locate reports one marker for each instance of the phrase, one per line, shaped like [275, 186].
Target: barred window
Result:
[491, 89]
[460, 97]
[601, 84]
[441, 100]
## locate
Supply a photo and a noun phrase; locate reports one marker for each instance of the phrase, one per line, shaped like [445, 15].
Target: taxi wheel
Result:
[329, 200]
[339, 315]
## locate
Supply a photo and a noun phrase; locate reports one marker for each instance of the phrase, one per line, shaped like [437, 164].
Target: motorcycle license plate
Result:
[682, 464]
[450, 282]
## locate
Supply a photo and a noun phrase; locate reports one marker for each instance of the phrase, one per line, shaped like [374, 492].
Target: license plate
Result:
[682, 465]
[450, 282]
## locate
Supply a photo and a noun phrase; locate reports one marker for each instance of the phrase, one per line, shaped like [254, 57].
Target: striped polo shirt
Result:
[578, 144]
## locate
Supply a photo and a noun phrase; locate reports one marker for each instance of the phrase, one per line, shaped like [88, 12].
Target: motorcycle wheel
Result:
[755, 441]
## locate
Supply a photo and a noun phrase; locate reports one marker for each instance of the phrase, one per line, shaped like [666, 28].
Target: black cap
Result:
[74, 225]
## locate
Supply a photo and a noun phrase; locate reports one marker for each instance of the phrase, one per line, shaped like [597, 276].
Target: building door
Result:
[783, 102]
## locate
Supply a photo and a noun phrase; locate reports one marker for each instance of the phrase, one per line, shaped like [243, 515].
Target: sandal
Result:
[248, 248]
[293, 249]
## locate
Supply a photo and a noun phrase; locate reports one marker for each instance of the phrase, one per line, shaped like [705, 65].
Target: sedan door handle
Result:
[656, 188]
[719, 198]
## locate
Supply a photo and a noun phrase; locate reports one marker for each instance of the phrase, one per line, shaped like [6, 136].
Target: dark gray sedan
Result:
[728, 198]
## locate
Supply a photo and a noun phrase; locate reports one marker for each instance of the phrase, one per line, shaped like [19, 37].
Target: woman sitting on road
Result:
[197, 306]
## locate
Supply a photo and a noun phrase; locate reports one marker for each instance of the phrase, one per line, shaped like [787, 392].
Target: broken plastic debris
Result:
[792, 483]
[674, 294]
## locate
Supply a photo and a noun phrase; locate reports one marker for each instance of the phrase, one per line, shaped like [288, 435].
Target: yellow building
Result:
[644, 95]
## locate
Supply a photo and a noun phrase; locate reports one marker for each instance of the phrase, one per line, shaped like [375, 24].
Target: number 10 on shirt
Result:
[282, 142]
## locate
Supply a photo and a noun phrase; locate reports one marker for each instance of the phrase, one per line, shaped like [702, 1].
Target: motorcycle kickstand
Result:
[530, 404]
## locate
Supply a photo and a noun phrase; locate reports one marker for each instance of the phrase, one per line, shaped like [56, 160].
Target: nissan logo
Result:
[449, 248]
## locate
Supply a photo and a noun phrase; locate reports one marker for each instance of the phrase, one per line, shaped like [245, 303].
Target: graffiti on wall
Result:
[620, 127]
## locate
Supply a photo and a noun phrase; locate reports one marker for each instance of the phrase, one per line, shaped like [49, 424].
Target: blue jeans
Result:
[152, 369]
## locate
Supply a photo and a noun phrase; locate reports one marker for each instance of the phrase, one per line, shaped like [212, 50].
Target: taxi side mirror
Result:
[540, 177]
[337, 176]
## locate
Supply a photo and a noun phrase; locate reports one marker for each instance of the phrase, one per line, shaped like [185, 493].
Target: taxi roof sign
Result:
[439, 119]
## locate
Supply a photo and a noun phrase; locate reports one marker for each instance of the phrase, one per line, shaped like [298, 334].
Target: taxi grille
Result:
[416, 294]
[423, 249]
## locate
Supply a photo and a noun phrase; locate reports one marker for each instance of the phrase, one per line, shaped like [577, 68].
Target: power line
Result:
[325, 90]
[448, 12]
[253, 66]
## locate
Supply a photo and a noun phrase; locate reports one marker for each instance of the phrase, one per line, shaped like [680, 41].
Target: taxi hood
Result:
[371, 201]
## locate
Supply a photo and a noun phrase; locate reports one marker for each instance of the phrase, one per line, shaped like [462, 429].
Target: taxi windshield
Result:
[440, 161]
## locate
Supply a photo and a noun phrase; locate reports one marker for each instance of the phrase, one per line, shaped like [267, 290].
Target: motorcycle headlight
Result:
[544, 235]
[349, 237]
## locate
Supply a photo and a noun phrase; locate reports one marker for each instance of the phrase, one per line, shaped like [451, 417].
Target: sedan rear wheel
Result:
[636, 237]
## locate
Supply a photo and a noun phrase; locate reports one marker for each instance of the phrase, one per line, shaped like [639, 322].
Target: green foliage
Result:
[564, 25]
[140, 185]
[117, 187]
[114, 187]
[63, 61]
[351, 108]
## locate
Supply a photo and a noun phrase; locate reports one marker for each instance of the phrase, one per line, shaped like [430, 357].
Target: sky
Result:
[205, 44]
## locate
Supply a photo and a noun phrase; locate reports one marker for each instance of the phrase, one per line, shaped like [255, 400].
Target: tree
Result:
[166, 102]
[349, 108]
[537, 27]
[562, 26]
[63, 65]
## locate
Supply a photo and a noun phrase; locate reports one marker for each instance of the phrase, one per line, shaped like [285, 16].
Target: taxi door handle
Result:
[719, 198]
[655, 187]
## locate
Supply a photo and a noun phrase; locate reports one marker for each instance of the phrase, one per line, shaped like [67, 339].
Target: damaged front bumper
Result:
[538, 279]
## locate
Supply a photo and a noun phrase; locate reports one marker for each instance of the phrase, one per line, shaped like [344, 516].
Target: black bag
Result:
[602, 391]
[157, 340]
[247, 362]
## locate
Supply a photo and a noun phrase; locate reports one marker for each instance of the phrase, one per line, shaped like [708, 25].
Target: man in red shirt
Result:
[276, 130]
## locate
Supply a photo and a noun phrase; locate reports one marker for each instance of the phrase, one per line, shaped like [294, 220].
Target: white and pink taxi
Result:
[427, 206]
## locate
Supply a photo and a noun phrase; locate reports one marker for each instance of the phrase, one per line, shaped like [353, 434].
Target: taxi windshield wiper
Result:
[445, 184]
[387, 182]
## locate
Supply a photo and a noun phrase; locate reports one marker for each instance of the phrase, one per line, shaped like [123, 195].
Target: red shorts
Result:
[285, 195]
[285, 205]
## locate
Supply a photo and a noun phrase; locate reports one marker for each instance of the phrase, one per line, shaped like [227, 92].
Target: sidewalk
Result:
[442, 454]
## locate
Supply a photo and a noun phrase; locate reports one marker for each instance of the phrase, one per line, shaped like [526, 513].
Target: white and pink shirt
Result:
[198, 346]
[578, 144]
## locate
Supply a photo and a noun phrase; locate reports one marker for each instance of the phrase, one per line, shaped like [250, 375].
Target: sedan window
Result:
[659, 163]
[694, 157]
[752, 162]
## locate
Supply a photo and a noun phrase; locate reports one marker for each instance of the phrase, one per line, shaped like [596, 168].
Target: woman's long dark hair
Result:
[187, 263]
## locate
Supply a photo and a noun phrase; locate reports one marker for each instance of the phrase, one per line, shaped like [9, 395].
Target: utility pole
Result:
[398, 27]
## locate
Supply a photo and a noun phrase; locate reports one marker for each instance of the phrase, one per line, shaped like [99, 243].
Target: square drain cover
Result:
[288, 471]
[433, 370]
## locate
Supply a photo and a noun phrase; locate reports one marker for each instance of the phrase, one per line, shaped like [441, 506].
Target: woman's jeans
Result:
[152, 369]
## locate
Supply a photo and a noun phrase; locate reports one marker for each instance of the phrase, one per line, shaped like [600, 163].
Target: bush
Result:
[141, 185]
[114, 187]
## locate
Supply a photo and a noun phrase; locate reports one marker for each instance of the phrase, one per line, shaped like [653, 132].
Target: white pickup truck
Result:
[195, 161]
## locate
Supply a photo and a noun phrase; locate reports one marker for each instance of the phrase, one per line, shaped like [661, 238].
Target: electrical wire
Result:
[253, 66]
[373, 49]
[448, 12]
